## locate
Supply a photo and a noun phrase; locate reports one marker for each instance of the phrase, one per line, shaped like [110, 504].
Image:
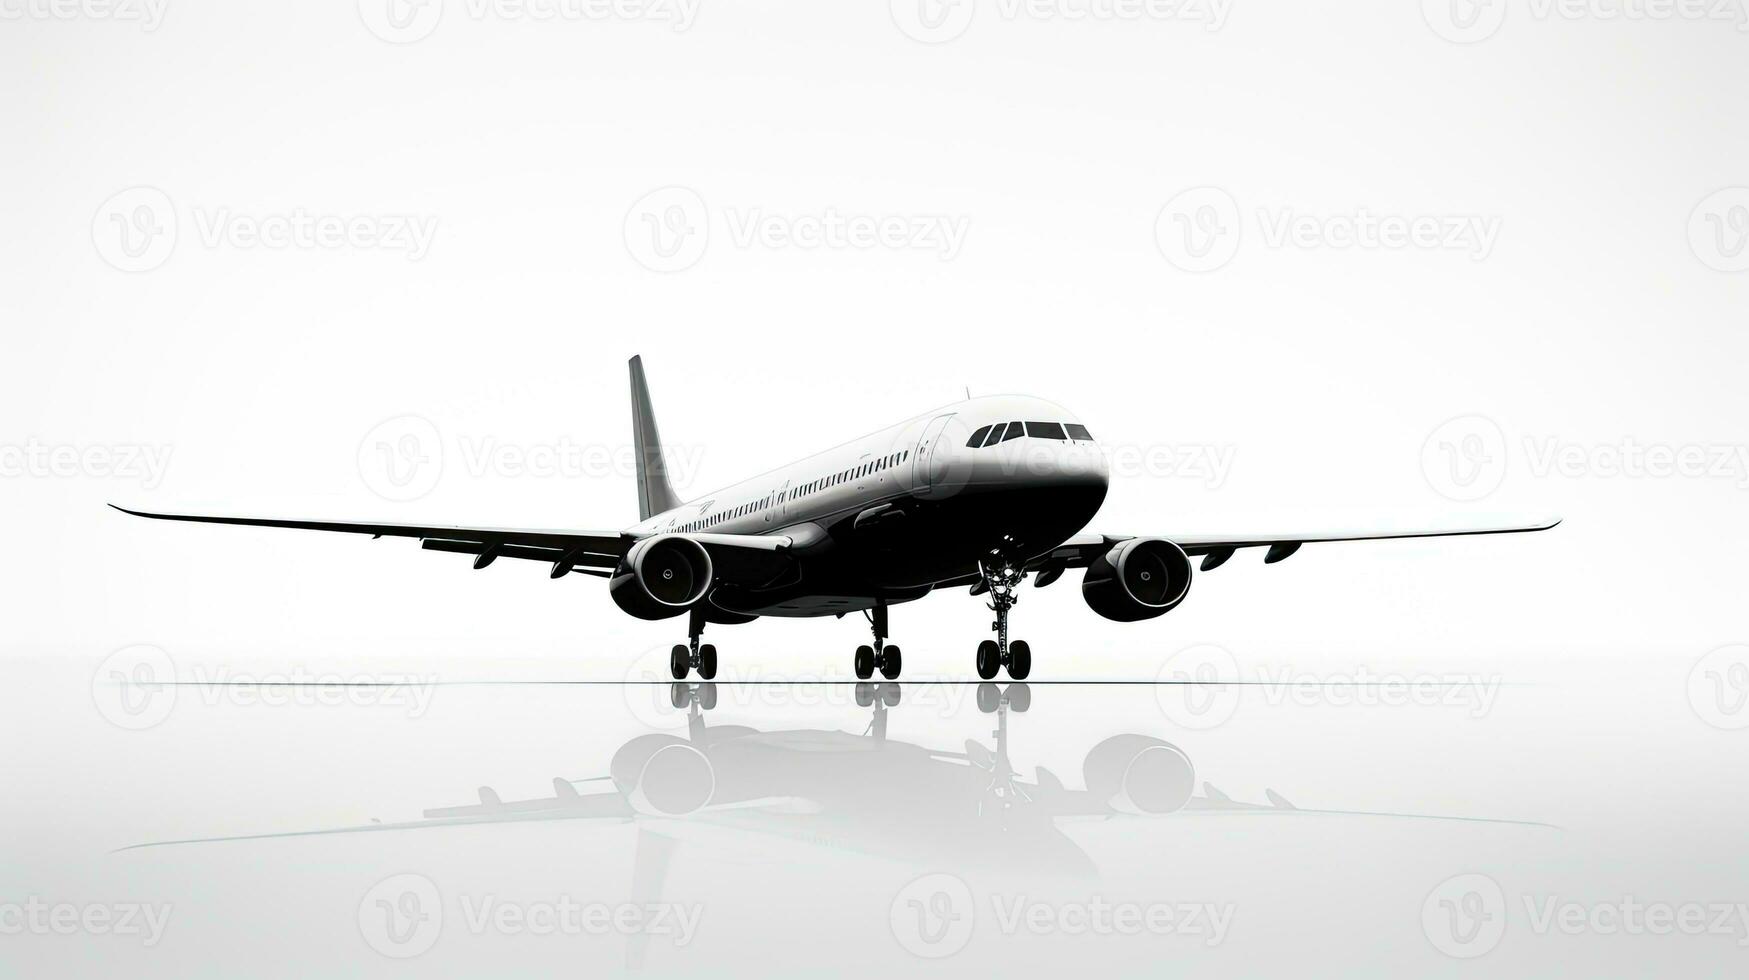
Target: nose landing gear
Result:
[1002, 576]
[693, 655]
[881, 656]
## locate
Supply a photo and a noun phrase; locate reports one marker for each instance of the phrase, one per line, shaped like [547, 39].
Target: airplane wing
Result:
[1082, 549]
[596, 549]
[592, 552]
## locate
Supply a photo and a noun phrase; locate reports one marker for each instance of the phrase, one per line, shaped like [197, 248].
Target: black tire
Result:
[890, 663]
[864, 662]
[865, 694]
[989, 659]
[988, 698]
[707, 661]
[679, 662]
[1019, 660]
[707, 696]
[1019, 697]
[677, 695]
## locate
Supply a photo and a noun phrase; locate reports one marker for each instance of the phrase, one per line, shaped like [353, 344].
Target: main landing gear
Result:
[693, 655]
[881, 656]
[1002, 577]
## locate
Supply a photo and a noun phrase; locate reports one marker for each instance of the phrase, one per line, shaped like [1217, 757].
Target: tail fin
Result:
[655, 495]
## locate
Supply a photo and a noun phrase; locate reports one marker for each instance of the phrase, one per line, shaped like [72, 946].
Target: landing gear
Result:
[693, 654]
[1001, 577]
[880, 656]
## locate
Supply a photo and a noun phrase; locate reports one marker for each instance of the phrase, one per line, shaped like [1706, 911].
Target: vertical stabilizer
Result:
[655, 495]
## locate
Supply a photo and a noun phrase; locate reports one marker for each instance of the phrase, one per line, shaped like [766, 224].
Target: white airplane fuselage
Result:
[889, 515]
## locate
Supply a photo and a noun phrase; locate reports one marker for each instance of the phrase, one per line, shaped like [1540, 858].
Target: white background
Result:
[1608, 314]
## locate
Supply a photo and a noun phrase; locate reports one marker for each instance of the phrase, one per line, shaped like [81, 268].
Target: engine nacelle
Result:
[662, 576]
[1139, 774]
[1139, 579]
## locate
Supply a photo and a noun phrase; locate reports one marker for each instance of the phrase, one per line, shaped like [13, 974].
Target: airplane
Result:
[979, 493]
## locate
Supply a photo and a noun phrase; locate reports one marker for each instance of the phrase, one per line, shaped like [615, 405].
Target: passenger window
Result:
[1078, 431]
[1014, 431]
[1045, 430]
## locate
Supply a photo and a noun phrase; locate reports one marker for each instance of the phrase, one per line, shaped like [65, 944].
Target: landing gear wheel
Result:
[707, 661]
[989, 659]
[890, 695]
[988, 698]
[865, 694]
[889, 660]
[679, 661]
[707, 696]
[1019, 660]
[865, 662]
[1019, 697]
[677, 695]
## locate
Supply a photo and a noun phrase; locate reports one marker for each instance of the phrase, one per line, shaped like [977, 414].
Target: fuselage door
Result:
[923, 473]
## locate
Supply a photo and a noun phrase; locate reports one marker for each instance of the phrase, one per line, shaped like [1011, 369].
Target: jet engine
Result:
[662, 576]
[1139, 579]
[664, 776]
[1140, 775]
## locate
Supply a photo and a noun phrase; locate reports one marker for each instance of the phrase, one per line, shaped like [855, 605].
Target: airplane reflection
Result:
[869, 793]
[969, 811]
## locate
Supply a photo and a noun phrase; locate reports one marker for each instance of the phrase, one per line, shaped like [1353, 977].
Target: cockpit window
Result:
[1078, 431]
[977, 438]
[995, 434]
[1045, 430]
[1015, 431]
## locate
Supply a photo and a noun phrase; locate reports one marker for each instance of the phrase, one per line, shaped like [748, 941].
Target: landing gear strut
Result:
[1002, 576]
[880, 656]
[693, 655]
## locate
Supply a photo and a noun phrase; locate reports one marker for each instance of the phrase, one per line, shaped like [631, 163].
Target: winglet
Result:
[655, 493]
